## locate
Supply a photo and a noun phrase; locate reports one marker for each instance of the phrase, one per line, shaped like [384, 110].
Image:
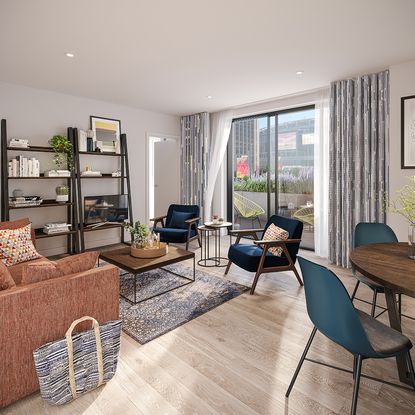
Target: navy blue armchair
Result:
[179, 225]
[256, 257]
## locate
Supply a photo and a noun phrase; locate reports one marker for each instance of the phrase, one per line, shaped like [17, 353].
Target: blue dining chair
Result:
[331, 311]
[366, 233]
[257, 258]
[179, 225]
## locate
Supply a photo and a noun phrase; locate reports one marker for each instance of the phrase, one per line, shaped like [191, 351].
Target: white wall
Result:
[402, 83]
[39, 114]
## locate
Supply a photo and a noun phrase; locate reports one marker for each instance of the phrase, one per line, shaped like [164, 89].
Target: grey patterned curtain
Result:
[194, 158]
[359, 136]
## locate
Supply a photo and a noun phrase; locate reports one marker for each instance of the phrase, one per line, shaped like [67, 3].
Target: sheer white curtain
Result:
[221, 123]
[321, 174]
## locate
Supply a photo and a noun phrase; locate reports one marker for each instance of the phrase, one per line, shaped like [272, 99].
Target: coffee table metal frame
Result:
[149, 268]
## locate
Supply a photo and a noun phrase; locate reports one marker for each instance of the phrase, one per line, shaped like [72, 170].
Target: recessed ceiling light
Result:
[299, 72]
[209, 96]
[69, 55]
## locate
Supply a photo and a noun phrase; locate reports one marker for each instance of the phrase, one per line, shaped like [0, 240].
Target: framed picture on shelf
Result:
[107, 133]
[408, 132]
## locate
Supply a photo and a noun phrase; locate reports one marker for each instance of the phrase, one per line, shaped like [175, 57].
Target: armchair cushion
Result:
[178, 219]
[247, 256]
[193, 209]
[174, 235]
[274, 232]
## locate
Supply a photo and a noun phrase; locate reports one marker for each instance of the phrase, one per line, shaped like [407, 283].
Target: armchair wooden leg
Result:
[297, 275]
[228, 266]
[257, 274]
[187, 244]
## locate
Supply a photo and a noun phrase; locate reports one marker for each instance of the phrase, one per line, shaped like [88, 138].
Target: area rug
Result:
[159, 315]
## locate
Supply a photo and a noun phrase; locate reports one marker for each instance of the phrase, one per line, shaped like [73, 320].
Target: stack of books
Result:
[19, 143]
[25, 201]
[24, 167]
[57, 173]
[91, 173]
[56, 227]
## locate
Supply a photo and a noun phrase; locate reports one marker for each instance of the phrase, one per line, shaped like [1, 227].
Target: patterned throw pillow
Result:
[16, 246]
[275, 233]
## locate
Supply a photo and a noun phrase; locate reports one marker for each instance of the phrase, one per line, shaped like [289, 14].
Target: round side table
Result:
[211, 257]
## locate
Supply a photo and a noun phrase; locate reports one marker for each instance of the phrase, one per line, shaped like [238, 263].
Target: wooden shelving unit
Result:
[71, 206]
[125, 187]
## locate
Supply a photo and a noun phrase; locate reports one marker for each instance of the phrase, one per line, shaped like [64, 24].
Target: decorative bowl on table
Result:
[150, 252]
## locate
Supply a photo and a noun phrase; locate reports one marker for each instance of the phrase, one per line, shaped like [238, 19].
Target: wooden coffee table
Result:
[122, 259]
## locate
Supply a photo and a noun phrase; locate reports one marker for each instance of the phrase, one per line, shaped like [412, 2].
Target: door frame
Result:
[149, 175]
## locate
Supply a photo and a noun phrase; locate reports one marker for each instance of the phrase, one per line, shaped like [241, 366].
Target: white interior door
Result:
[166, 174]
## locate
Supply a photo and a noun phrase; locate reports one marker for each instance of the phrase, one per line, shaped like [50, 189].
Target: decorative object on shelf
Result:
[408, 132]
[106, 132]
[18, 193]
[404, 205]
[57, 173]
[63, 149]
[62, 194]
[24, 167]
[116, 173]
[82, 140]
[25, 201]
[138, 232]
[56, 227]
[19, 143]
[88, 172]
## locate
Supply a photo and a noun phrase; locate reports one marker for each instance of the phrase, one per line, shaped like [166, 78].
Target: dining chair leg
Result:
[228, 266]
[300, 363]
[411, 368]
[357, 371]
[355, 290]
[375, 295]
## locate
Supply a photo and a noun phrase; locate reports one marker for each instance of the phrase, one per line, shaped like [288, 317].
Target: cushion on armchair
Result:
[178, 219]
[273, 233]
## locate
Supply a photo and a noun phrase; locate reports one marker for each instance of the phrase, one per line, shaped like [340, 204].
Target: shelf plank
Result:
[39, 234]
[93, 153]
[38, 149]
[46, 203]
[104, 176]
[103, 227]
[39, 177]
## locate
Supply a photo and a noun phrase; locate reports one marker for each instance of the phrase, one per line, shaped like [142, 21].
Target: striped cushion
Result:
[272, 233]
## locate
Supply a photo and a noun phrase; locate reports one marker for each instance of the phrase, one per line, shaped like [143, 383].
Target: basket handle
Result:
[69, 343]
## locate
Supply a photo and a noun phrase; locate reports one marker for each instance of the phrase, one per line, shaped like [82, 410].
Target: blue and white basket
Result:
[74, 365]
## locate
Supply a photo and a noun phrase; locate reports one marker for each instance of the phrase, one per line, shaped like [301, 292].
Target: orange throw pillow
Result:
[273, 233]
[77, 263]
[39, 271]
[6, 280]
[16, 245]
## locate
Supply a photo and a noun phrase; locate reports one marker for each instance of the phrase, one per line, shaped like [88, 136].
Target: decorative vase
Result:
[411, 241]
[62, 194]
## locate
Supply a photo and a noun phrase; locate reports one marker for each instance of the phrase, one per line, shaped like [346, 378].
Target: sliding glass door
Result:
[270, 169]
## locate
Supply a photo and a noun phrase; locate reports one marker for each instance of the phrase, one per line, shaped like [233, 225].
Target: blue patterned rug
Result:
[159, 315]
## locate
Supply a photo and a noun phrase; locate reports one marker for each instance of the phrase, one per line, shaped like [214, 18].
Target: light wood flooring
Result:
[238, 359]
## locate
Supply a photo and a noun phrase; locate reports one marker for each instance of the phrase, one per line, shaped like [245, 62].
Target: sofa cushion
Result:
[16, 271]
[36, 271]
[6, 279]
[77, 263]
[272, 233]
[174, 235]
[16, 245]
[16, 224]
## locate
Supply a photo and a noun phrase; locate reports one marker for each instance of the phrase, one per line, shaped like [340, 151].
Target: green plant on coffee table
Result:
[138, 232]
[63, 149]
[404, 204]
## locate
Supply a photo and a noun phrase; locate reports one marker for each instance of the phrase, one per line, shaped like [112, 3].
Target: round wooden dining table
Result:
[388, 264]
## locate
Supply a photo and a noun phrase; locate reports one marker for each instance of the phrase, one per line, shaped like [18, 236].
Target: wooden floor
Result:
[238, 359]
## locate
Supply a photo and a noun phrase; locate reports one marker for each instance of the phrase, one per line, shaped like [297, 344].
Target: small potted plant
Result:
[63, 149]
[62, 194]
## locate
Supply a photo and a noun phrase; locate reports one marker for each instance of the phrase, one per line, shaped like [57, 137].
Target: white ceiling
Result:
[168, 55]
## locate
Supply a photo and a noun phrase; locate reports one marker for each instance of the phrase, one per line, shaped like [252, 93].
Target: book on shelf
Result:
[57, 173]
[56, 227]
[24, 167]
[19, 143]
[90, 173]
[25, 201]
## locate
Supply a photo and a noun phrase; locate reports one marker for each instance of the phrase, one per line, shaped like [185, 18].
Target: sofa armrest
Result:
[34, 314]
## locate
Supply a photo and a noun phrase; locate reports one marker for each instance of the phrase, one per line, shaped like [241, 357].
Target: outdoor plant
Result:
[404, 204]
[138, 232]
[63, 149]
